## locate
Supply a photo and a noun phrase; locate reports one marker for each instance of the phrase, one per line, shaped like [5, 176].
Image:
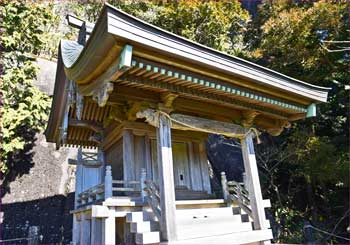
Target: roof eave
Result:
[59, 101]
[126, 26]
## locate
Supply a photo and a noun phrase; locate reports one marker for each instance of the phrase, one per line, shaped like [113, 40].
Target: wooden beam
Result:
[206, 110]
[166, 179]
[255, 195]
[92, 125]
[185, 122]
[187, 106]
[121, 94]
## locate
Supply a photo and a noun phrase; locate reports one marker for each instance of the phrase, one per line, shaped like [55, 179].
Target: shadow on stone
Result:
[19, 163]
[50, 214]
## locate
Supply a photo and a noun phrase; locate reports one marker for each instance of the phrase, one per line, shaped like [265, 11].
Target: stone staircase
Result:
[206, 222]
[215, 225]
[143, 225]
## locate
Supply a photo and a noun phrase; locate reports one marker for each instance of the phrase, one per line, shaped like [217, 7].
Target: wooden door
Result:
[180, 163]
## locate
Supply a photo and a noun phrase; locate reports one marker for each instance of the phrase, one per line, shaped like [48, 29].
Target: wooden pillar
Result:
[204, 167]
[148, 158]
[76, 229]
[108, 230]
[225, 191]
[251, 170]
[143, 184]
[108, 183]
[78, 178]
[166, 179]
[85, 229]
[128, 155]
[101, 157]
[96, 231]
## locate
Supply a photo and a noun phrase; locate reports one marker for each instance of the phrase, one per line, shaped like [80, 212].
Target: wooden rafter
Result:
[92, 125]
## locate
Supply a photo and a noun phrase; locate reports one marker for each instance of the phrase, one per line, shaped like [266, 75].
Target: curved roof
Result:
[155, 47]
[116, 25]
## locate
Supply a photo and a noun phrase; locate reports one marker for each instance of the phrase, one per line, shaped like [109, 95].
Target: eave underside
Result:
[129, 97]
[145, 83]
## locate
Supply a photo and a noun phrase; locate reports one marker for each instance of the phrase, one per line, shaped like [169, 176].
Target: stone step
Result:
[147, 237]
[229, 238]
[145, 226]
[220, 211]
[188, 219]
[139, 216]
[211, 227]
[182, 192]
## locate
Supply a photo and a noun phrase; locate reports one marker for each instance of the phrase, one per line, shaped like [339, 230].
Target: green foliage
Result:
[28, 27]
[25, 108]
[310, 173]
[298, 31]
[216, 24]
[291, 223]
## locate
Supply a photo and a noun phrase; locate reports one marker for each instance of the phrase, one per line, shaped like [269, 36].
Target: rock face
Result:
[46, 76]
[40, 194]
[224, 155]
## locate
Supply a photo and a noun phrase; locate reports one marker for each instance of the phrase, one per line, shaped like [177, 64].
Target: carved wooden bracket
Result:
[101, 95]
[280, 126]
[134, 108]
[150, 116]
[248, 118]
[168, 99]
[117, 113]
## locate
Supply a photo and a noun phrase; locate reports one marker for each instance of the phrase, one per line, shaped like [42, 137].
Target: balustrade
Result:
[236, 192]
[111, 188]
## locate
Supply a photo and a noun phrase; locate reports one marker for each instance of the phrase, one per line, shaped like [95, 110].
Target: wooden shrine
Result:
[139, 103]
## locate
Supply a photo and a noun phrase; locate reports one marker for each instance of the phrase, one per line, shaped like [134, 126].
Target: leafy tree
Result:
[217, 24]
[25, 27]
[287, 36]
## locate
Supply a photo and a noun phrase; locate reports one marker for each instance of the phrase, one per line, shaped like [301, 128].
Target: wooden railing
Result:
[234, 191]
[126, 186]
[152, 197]
[109, 189]
[146, 189]
[91, 195]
